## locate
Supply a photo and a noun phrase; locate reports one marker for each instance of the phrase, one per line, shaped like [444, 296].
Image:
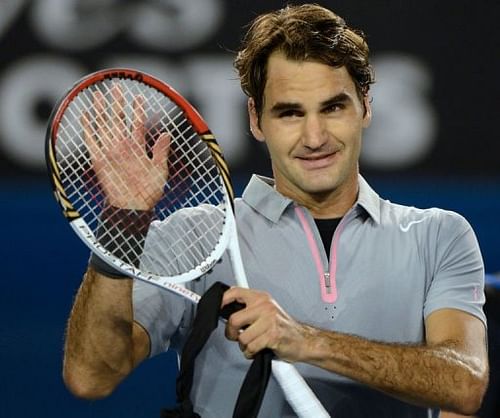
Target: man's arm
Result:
[103, 344]
[449, 371]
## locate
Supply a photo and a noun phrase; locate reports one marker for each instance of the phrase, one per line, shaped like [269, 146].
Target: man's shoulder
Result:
[405, 217]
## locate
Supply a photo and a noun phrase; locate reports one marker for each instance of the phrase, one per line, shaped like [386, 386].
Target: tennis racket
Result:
[129, 156]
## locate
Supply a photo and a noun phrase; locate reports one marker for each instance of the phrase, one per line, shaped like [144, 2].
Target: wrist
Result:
[122, 233]
[309, 343]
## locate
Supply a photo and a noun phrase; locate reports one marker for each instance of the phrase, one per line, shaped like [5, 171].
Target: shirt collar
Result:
[368, 199]
[261, 195]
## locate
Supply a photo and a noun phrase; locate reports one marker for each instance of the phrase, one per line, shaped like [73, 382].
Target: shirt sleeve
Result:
[163, 314]
[458, 276]
[166, 316]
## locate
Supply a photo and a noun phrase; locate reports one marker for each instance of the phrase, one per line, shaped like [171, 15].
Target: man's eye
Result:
[289, 113]
[333, 108]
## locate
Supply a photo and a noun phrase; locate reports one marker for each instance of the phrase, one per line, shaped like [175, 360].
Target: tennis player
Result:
[378, 305]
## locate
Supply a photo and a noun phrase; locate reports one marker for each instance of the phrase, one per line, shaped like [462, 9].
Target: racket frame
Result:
[77, 222]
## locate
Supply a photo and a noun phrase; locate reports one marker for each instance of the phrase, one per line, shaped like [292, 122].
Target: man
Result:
[378, 305]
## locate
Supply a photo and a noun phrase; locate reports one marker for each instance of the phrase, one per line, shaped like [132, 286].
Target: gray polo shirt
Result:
[389, 267]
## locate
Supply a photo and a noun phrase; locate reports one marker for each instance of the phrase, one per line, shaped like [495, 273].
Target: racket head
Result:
[198, 180]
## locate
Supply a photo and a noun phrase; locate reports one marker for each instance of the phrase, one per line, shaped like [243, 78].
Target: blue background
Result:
[44, 262]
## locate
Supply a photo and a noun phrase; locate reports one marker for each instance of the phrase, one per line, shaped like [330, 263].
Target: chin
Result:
[320, 188]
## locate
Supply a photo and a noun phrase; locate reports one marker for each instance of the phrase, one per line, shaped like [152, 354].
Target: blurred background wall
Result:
[434, 142]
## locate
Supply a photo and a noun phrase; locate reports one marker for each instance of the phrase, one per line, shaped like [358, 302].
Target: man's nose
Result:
[314, 133]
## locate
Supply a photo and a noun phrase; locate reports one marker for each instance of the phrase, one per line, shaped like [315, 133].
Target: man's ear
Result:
[254, 121]
[367, 117]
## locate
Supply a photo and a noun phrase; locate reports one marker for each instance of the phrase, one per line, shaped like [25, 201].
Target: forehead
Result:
[298, 81]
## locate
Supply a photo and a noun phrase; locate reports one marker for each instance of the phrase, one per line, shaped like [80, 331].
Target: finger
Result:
[86, 126]
[89, 139]
[160, 152]
[231, 333]
[246, 321]
[119, 126]
[237, 294]
[235, 324]
[255, 346]
[259, 324]
[101, 120]
[139, 121]
[244, 350]
[251, 343]
[247, 353]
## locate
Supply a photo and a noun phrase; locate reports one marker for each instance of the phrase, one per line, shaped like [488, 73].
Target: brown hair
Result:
[305, 32]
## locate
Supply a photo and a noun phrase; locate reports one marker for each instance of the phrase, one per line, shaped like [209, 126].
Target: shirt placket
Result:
[326, 270]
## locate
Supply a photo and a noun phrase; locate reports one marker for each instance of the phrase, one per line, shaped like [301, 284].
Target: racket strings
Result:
[193, 178]
[191, 249]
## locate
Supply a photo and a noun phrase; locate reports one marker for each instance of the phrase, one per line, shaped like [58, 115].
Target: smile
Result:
[315, 162]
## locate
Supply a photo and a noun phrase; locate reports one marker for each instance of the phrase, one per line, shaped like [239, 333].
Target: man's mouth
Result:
[317, 161]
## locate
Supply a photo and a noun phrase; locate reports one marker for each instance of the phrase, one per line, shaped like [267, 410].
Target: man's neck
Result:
[328, 205]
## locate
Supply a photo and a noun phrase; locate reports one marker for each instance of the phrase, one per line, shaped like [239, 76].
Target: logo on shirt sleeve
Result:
[406, 228]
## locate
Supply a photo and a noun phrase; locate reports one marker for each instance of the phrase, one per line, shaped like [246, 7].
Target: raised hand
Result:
[129, 177]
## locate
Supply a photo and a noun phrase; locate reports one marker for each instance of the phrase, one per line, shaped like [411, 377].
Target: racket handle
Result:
[298, 394]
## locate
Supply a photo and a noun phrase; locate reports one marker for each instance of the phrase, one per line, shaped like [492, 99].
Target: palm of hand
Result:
[129, 177]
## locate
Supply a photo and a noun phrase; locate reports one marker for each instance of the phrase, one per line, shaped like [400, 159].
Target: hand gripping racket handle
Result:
[297, 392]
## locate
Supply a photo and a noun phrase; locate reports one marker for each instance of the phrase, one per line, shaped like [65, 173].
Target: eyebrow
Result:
[338, 98]
[284, 106]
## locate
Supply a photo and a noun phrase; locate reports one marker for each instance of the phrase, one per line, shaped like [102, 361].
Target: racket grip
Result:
[298, 394]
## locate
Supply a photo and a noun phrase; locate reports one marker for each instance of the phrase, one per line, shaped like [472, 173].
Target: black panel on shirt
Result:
[326, 229]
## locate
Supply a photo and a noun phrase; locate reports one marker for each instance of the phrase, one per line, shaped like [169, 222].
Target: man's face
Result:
[312, 121]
